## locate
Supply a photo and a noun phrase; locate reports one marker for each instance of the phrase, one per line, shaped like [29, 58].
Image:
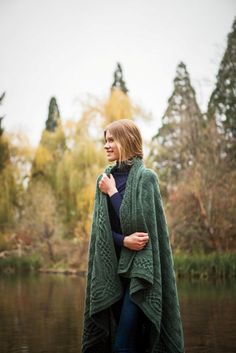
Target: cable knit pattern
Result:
[151, 270]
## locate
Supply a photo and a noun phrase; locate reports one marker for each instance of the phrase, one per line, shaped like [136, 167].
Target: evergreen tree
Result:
[52, 146]
[118, 106]
[118, 80]
[174, 148]
[4, 149]
[222, 104]
[53, 115]
[1, 117]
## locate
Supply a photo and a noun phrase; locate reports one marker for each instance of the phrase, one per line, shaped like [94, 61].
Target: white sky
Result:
[69, 48]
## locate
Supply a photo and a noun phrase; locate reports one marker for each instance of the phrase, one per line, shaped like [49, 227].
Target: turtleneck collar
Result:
[136, 161]
[123, 166]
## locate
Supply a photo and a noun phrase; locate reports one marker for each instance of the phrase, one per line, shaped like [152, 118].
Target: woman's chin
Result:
[111, 158]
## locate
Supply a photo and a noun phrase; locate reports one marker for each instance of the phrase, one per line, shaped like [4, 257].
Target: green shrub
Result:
[213, 265]
[20, 264]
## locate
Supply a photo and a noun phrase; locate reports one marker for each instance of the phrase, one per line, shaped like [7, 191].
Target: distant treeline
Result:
[46, 194]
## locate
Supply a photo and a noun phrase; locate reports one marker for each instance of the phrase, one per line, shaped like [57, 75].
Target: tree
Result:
[53, 116]
[174, 148]
[39, 223]
[76, 175]
[118, 105]
[1, 117]
[4, 149]
[99, 113]
[222, 103]
[201, 208]
[51, 148]
[118, 80]
[8, 189]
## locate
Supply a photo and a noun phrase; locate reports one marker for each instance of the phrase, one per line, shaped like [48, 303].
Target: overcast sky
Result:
[69, 48]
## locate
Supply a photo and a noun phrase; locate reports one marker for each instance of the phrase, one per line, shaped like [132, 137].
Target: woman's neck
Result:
[124, 165]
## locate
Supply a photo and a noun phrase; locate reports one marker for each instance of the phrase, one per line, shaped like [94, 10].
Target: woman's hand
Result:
[136, 241]
[107, 185]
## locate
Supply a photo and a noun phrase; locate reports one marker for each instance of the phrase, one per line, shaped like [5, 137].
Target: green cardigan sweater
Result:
[151, 271]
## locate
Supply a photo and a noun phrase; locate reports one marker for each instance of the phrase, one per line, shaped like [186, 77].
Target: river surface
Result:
[44, 313]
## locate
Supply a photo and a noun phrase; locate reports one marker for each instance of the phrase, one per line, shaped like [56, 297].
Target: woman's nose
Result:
[106, 145]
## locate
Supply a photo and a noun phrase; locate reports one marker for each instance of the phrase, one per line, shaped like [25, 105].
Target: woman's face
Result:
[111, 148]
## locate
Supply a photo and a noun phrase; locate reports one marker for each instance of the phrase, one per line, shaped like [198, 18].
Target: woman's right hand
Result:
[136, 241]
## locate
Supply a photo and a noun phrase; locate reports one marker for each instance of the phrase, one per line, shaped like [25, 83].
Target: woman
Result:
[131, 299]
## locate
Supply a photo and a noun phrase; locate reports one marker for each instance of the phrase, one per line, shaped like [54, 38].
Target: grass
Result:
[20, 264]
[212, 265]
[202, 266]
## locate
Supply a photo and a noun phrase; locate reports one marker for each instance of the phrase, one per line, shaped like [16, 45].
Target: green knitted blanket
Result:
[151, 271]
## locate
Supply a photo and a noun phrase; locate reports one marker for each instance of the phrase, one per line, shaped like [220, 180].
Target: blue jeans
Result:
[129, 318]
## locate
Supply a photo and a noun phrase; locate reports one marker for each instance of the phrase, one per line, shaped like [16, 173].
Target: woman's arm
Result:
[118, 239]
[135, 241]
[116, 200]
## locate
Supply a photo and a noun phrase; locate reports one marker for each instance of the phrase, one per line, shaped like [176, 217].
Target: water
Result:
[209, 316]
[43, 314]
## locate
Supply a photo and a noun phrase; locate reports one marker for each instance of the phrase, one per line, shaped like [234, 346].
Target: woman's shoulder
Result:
[149, 174]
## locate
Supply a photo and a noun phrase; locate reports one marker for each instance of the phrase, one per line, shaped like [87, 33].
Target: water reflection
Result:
[43, 314]
[208, 311]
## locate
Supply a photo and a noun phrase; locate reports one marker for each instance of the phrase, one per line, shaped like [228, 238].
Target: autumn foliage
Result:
[47, 193]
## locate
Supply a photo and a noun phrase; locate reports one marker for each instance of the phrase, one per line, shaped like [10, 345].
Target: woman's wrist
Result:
[112, 191]
[125, 242]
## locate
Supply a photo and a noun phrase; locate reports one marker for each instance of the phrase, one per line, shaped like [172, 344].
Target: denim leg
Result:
[129, 326]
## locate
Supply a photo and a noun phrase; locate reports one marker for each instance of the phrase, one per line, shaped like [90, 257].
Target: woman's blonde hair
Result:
[128, 138]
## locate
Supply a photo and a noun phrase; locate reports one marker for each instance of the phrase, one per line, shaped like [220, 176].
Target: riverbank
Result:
[187, 266]
[26, 264]
[204, 266]
[16, 264]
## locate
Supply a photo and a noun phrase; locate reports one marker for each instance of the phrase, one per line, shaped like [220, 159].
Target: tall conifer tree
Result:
[4, 149]
[1, 117]
[222, 104]
[53, 115]
[175, 146]
[119, 80]
[119, 105]
[52, 145]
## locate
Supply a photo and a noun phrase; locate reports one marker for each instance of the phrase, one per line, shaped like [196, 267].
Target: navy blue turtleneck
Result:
[120, 174]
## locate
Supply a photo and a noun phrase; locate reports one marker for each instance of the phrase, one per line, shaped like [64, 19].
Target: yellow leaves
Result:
[76, 174]
[49, 153]
[7, 195]
[42, 157]
[40, 219]
[118, 107]
[54, 141]
[19, 145]
[67, 161]
[84, 199]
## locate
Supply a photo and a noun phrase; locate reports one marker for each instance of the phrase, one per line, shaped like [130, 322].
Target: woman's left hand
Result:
[107, 185]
